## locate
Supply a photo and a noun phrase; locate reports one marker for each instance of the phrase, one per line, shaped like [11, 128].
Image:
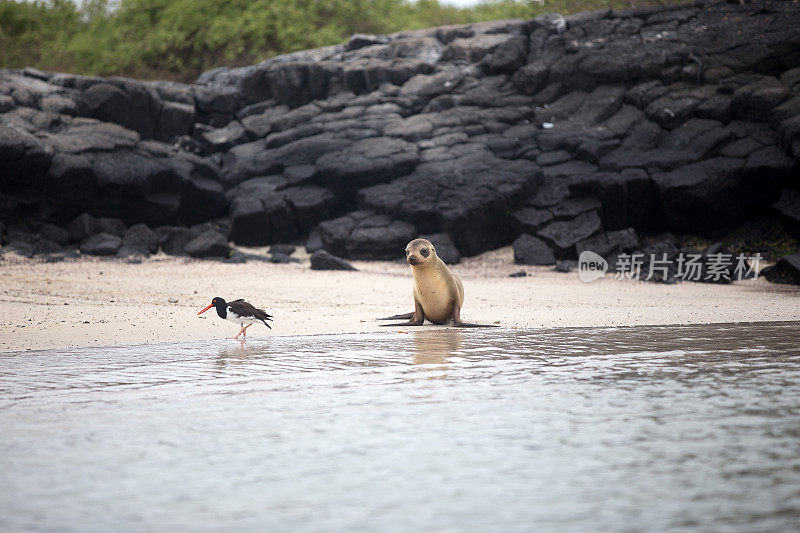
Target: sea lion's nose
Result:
[413, 260]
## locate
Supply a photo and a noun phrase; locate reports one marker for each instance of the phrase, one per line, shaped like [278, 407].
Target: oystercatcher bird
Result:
[240, 312]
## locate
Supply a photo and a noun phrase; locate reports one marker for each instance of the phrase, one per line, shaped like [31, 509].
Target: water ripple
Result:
[643, 428]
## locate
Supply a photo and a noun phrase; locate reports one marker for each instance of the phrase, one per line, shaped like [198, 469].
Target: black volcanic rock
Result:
[261, 213]
[282, 259]
[366, 235]
[46, 246]
[25, 249]
[254, 159]
[572, 207]
[23, 155]
[237, 257]
[705, 196]
[769, 166]
[259, 125]
[787, 110]
[131, 252]
[507, 57]
[786, 270]
[314, 241]
[788, 205]
[222, 139]
[172, 239]
[718, 265]
[566, 266]
[650, 147]
[141, 238]
[282, 249]
[211, 243]
[563, 235]
[609, 243]
[755, 100]
[367, 162]
[101, 244]
[469, 197]
[659, 262]
[84, 225]
[322, 260]
[114, 226]
[249, 222]
[217, 99]
[108, 103]
[531, 78]
[530, 219]
[666, 118]
[55, 234]
[201, 198]
[553, 158]
[360, 40]
[19, 235]
[88, 136]
[309, 205]
[528, 250]
[174, 120]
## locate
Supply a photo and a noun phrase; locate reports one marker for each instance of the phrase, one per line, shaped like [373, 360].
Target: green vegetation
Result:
[767, 236]
[178, 39]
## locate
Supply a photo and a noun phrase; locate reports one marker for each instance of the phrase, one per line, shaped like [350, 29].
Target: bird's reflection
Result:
[237, 352]
[435, 347]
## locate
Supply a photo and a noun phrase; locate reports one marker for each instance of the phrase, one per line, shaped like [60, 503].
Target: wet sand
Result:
[92, 301]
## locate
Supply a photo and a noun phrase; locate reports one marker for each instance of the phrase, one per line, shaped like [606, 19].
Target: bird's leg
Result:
[244, 329]
[237, 335]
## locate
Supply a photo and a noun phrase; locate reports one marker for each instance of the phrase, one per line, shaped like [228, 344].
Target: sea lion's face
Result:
[420, 252]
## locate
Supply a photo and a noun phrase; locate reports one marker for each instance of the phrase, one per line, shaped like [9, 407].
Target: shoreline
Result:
[100, 302]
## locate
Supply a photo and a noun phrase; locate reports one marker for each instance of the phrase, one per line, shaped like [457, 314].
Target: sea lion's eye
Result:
[424, 252]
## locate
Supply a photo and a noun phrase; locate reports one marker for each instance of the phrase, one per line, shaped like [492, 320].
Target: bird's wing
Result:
[242, 308]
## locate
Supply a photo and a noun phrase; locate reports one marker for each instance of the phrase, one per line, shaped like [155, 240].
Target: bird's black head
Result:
[218, 303]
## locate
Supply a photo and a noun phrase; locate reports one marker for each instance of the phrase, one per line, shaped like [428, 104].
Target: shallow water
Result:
[690, 428]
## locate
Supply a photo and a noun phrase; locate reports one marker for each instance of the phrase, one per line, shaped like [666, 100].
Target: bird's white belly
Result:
[233, 317]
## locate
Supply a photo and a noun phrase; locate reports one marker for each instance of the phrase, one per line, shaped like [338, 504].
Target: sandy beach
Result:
[95, 302]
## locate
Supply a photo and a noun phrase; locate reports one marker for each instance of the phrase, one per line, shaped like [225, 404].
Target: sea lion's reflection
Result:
[432, 347]
[428, 348]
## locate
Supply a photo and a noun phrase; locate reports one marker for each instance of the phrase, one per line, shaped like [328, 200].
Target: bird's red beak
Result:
[205, 309]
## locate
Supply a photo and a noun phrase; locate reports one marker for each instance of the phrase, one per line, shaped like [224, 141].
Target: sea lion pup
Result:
[438, 294]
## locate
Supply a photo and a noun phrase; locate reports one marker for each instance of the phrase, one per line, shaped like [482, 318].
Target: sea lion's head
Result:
[420, 252]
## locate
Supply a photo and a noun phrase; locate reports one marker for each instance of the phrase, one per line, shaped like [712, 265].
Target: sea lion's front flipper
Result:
[417, 318]
[407, 316]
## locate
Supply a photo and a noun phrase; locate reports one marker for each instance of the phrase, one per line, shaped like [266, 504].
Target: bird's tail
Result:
[267, 316]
